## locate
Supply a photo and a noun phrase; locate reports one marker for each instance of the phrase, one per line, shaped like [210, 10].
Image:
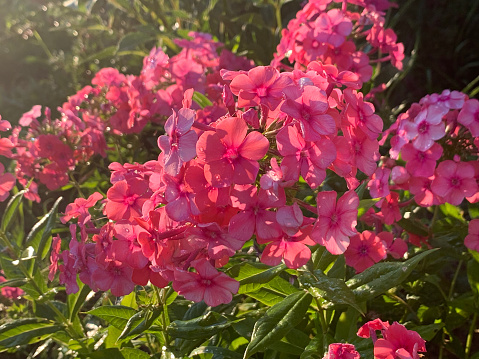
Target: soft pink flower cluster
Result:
[323, 32]
[202, 200]
[48, 149]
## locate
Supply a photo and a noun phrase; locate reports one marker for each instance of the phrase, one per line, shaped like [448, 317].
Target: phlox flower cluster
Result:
[324, 30]
[217, 185]
[48, 149]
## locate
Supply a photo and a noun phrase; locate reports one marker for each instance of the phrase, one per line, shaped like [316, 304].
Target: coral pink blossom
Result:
[469, 116]
[399, 343]
[10, 292]
[336, 221]
[206, 284]
[421, 163]
[396, 247]
[230, 153]
[364, 250]
[125, 199]
[332, 27]
[472, 239]
[341, 351]
[379, 183]
[7, 182]
[116, 276]
[454, 181]
[79, 208]
[262, 85]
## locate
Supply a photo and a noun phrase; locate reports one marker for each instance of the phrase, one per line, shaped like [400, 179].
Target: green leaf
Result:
[252, 277]
[314, 349]
[110, 353]
[414, 227]
[12, 207]
[25, 331]
[452, 211]
[116, 315]
[428, 332]
[333, 290]
[75, 301]
[473, 275]
[131, 353]
[365, 204]
[131, 41]
[278, 321]
[201, 327]
[14, 283]
[221, 352]
[201, 100]
[383, 276]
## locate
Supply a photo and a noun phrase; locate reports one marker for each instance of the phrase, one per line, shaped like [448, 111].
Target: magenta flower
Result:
[424, 133]
[472, 239]
[179, 143]
[332, 27]
[206, 284]
[361, 114]
[421, 163]
[341, 351]
[399, 343]
[262, 85]
[125, 199]
[469, 116]
[309, 107]
[7, 182]
[79, 208]
[115, 276]
[454, 181]
[364, 250]
[229, 154]
[336, 221]
[379, 183]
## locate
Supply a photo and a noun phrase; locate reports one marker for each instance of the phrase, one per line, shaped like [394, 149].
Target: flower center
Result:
[231, 153]
[262, 91]
[423, 127]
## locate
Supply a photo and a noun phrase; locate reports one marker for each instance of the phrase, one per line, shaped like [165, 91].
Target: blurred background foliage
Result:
[49, 49]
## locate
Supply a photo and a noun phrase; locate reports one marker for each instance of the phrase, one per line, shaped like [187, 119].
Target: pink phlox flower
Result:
[54, 256]
[365, 151]
[230, 154]
[126, 248]
[291, 245]
[179, 143]
[454, 181]
[10, 292]
[420, 187]
[336, 220]
[369, 329]
[262, 85]
[361, 66]
[4, 125]
[472, 239]
[309, 107]
[423, 133]
[79, 208]
[219, 243]
[104, 242]
[341, 351]
[53, 176]
[396, 247]
[108, 77]
[308, 48]
[31, 117]
[421, 163]
[180, 203]
[116, 277]
[334, 77]
[332, 27]
[364, 250]
[68, 274]
[400, 176]
[272, 181]
[341, 56]
[7, 182]
[310, 159]
[453, 100]
[126, 198]
[475, 197]
[390, 208]
[399, 342]
[206, 284]
[254, 216]
[361, 114]
[379, 183]
[469, 116]
[154, 67]
[188, 74]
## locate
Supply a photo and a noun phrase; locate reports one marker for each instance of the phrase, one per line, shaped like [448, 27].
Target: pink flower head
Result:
[206, 284]
[6, 146]
[10, 292]
[116, 276]
[421, 163]
[179, 143]
[4, 125]
[230, 153]
[332, 27]
[390, 208]
[31, 116]
[469, 116]
[54, 256]
[7, 182]
[396, 247]
[472, 239]
[454, 181]
[262, 85]
[364, 250]
[336, 220]
[379, 183]
[79, 208]
[424, 133]
[341, 351]
[125, 199]
[154, 66]
[361, 114]
[309, 107]
[399, 343]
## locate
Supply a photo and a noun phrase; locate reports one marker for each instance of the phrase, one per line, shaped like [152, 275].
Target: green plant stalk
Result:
[324, 326]
[469, 336]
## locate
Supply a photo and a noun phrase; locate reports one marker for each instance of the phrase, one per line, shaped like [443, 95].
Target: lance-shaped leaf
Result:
[333, 290]
[278, 321]
[252, 277]
[201, 99]
[365, 204]
[201, 327]
[12, 207]
[116, 315]
[383, 276]
[25, 331]
[216, 351]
